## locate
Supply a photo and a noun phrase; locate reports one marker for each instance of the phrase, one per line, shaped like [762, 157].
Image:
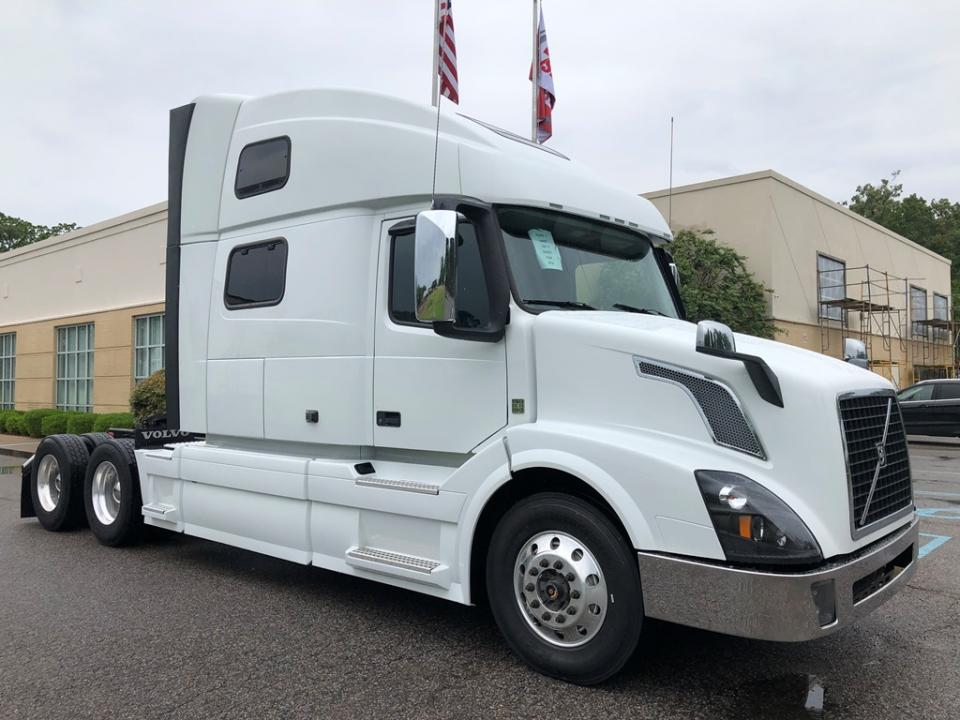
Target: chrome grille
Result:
[718, 407]
[864, 419]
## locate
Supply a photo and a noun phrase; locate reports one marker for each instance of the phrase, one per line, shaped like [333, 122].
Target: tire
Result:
[56, 481]
[111, 494]
[596, 592]
[94, 439]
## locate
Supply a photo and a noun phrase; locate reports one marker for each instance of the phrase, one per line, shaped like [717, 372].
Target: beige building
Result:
[81, 314]
[832, 273]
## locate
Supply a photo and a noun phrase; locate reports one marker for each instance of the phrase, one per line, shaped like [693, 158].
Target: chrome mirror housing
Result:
[855, 353]
[675, 272]
[715, 338]
[435, 266]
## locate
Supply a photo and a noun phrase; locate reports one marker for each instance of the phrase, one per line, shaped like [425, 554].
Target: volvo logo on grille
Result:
[882, 454]
[881, 463]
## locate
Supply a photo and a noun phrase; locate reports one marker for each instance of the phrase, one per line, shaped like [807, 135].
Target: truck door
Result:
[431, 392]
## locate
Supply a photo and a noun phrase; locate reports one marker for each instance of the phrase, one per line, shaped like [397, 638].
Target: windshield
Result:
[561, 261]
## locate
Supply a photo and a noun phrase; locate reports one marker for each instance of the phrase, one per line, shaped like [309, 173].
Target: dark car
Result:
[931, 407]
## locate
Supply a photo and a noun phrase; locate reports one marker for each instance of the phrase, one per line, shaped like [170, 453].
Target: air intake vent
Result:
[719, 408]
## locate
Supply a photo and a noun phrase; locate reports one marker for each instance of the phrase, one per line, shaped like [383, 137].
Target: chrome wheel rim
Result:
[560, 589]
[49, 483]
[106, 492]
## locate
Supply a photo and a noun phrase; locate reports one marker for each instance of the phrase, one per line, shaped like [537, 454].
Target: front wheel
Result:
[564, 588]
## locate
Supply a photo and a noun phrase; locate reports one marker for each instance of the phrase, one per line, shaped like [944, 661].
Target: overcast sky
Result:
[832, 94]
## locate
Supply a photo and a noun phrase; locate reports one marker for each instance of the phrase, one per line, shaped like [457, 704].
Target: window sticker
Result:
[548, 254]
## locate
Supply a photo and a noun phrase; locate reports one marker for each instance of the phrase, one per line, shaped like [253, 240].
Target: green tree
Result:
[935, 224]
[716, 285]
[15, 232]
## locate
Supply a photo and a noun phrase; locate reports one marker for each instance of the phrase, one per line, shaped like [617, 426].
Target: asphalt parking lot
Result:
[183, 628]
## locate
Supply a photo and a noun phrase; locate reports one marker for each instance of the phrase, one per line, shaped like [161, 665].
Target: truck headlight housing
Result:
[754, 526]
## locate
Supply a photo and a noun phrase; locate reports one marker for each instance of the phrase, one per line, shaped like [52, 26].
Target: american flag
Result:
[447, 54]
[546, 97]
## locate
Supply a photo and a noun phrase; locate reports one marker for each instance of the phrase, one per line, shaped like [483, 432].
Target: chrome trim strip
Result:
[856, 531]
[771, 605]
[881, 461]
[637, 359]
[407, 485]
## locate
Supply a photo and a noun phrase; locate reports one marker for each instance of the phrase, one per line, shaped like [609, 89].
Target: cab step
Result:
[396, 564]
[407, 485]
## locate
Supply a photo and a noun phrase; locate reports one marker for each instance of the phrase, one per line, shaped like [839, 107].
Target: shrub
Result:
[54, 423]
[104, 422]
[149, 397]
[33, 419]
[79, 423]
[10, 421]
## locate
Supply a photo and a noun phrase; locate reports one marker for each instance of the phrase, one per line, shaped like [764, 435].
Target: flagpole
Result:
[435, 93]
[536, 70]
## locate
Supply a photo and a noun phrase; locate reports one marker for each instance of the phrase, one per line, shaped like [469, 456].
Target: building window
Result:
[147, 346]
[263, 167]
[256, 275]
[941, 311]
[8, 369]
[831, 284]
[918, 312]
[75, 367]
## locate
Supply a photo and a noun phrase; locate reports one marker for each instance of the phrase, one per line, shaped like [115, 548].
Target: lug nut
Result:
[534, 603]
[571, 577]
[575, 594]
[558, 565]
[572, 610]
[544, 563]
[534, 572]
[545, 616]
[529, 587]
[561, 619]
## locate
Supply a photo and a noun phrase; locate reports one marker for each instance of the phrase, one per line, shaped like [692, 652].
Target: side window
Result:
[256, 275]
[917, 393]
[948, 391]
[473, 305]
[263, 167]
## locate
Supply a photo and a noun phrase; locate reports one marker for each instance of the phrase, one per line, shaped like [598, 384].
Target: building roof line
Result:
[774, 175]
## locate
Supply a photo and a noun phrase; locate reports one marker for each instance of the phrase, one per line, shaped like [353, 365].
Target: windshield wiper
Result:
[559, 303]
[644, 311]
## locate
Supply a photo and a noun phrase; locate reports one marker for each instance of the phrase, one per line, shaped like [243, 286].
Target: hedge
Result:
[11, 421]
[54, 424]
[80, 423]
[102, 423]
[33, 421]
[149, 398]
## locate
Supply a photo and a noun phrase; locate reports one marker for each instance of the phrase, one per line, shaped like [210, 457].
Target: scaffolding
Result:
[872, 305]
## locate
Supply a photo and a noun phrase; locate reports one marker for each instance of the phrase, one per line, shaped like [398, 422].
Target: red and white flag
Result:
[447, 54]
[546, 97]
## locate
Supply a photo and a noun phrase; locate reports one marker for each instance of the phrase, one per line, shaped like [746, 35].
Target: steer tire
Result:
[517, 581]
[95, 439]
[111, 494]
[56, 481]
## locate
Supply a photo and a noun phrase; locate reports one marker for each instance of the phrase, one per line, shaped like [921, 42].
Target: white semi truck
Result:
[481, 387]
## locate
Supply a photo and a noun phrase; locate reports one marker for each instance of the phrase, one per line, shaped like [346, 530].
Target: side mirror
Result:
[435, 266]
[855, 353]
[715, 338]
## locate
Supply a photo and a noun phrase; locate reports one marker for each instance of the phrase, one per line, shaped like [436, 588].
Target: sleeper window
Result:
[263, 166]
[256, 275]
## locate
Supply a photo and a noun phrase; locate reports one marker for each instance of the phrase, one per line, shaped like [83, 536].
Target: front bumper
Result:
[787, 607]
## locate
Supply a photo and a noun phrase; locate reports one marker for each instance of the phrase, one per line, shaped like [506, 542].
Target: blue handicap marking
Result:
[940, 513]
[931, 545]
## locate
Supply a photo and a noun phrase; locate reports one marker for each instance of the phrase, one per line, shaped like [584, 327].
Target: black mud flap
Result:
[26, 497]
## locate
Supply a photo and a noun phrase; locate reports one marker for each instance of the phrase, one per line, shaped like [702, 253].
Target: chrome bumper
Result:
[778, 606]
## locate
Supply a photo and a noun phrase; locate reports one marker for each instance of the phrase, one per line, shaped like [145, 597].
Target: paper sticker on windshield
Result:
[548, 254]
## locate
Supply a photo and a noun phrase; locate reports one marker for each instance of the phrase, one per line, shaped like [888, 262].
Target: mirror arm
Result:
[762, 375]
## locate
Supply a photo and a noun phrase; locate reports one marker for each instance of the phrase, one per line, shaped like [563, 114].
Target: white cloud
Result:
[831, 94]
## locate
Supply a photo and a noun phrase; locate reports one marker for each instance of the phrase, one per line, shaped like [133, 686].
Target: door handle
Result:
[388, 418]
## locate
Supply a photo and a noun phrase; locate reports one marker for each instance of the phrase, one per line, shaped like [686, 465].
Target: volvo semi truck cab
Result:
[456, 362]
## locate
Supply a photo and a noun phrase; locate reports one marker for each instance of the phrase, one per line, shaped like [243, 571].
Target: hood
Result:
[586, 373]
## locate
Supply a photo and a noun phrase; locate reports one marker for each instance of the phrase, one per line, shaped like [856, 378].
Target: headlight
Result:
[753, 525]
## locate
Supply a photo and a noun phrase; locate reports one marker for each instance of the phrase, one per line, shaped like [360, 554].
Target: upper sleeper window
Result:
[263, 166]
[256, 275]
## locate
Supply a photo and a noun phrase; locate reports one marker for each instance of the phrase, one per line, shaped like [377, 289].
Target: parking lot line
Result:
[931, 545]
[935, 493]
